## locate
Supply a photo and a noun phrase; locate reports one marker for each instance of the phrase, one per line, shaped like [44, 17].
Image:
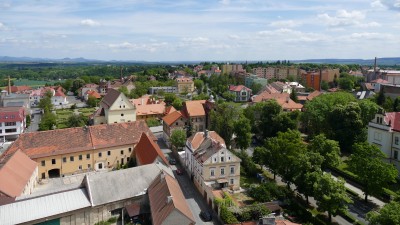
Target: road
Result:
[193, 197]
[36, 117]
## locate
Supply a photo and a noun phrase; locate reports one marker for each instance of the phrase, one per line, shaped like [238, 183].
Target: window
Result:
[222, 171]
[80, 167]
[88, 166]
[43, 163]
[122, 114]
[212, 172]
[222, 159]
[108, 152]
[71, 158]
[87, 156]
[80, 157]
[176, 123]
[377, 136]
[64, 159]
[122, 152]
[43, 176]
[100, 165]
[215, 159]
[10, 123]
[53, 161]
[11, 130]
[232, 181]
[127, 159]
[396, 154]
[99, 154]
[232, 170]
[130, 149]
[396, 140]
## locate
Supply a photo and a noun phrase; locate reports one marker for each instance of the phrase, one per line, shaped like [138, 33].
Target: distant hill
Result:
[8, 59]
[380, 61]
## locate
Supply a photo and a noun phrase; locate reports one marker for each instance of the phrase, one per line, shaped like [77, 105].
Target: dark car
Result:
[172, 161]
[206, 216]
[179, 171]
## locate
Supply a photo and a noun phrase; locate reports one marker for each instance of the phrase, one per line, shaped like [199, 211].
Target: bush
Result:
[227, 216]
[112, 220]
[151, 122]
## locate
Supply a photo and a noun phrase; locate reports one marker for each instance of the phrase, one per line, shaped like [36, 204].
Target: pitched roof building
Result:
[241, 92]
[148, 152]
[167, 203]
[18, 174]
[283, 99]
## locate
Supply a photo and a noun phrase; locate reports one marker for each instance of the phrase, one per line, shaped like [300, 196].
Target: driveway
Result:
[35, 120]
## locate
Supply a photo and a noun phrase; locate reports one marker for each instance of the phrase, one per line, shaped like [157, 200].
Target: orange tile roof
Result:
[195, 108]
[147, 151]
[20, 88]
[238, 88]
[63, 141]
[197, 139]
[152, 109]
[93, 93]
[285, 222]
[15, 172]
[283, 100]
[172, 117]
[169, 109]
[313, 95]
[162, 187]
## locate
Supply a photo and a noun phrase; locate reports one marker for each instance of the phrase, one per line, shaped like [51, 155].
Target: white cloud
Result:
[342, 18]
[225, 2]
[377, 4]
[371, 24]
[196, 40]
[391, 4]
[2, 26]
[289, 35]
[90, 23]
[152, 47]
[285, 23]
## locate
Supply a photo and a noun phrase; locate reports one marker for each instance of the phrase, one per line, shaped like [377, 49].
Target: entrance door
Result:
[122, 161]
[54, 173]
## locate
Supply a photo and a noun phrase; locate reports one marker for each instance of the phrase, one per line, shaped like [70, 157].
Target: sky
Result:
[205, 30]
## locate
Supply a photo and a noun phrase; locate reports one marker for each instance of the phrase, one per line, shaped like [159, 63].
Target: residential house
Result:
[99, 196]
[296, 86]
[282, 87]
[58, 97]
[376, 84]
[148, 107]
[147, 151]
[18, 174]
[20, 89]
[210, 164]
[115, 107]
[81, 149]
[91, 93]
[283, 99]
[174, 120]
[88, 87]
[12, 122]
[185, 85]
[242, 93]
[15, 100]
[384, 132]
[167, 203]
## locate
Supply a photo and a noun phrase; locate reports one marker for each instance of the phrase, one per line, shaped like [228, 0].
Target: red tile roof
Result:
[283, 100]
[238, 88]
[393, 118]
[380, 81]
[93, 93]
[63, 141]
[23, 88]
[16, 170]
[153, 109]
[162, 187]
[147, 151]
[169, 109]
[12, 114]
[184, 79]
[313, 95]
[198, 138]
[172, 117]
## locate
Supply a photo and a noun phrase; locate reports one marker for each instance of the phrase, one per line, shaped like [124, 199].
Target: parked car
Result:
[172, 161]
[179, 171]
[206, 216]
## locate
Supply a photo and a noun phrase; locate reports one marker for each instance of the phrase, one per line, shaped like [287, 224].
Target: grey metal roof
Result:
[41, 207]
[121, 184]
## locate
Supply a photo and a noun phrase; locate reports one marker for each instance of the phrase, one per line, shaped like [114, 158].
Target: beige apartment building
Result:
[77, 150]
[276, 72]
[185, 85]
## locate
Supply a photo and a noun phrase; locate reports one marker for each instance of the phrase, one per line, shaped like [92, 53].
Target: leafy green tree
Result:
[255, 88]
[270, 109]
[324, 85]
[388, 215]
[328, 149]
[76, 84]
[28, 120]
[367, 162]
[169, 98]
[45, 103]
[178, 138]
[388, 104]
[48, 121]
[67, 85]
[227, 216]
[293, 95]
[223, 120]
[124, 90]
[396, 105]
[228, 96]
[368, 110]
[242, 130]
[346, 84]
[315, 117]
[201, 96]
[76, 121]
[346, 125]
[331, 195]
[305, 182]
[92, 101]
[199, 84]
[177, 104]
[380, 98]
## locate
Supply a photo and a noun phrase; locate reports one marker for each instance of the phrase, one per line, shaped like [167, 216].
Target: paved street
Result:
[36, 117]
[193, 197]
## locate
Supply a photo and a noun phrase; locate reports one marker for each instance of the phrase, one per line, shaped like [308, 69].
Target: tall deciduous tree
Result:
[48, 121]
[223, 120]
[76, 121]
[331, 195]
[293, 95]
[45, 103]
[368, 110]
[328, 149]
[178, 138]
[373, 173]
[242, 131]
[388, 215]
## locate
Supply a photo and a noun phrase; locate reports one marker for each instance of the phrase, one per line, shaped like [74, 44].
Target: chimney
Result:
[375, 69]
[206, 134]
[142, 101]
[162, 177]
[287, 99]
[169, 199]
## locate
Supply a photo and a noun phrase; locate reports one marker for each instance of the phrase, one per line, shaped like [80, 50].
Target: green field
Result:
[32, 83]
